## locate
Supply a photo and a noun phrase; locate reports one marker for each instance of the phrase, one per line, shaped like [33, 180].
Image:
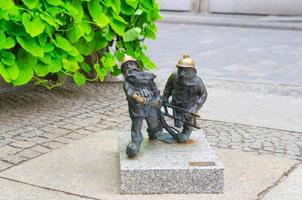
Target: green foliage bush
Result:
[61, 38]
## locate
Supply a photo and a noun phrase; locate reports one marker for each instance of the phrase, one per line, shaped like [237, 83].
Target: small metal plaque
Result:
[202, 164]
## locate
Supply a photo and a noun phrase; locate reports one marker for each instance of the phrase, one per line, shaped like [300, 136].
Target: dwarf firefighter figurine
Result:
[188, 95]
[144, 103]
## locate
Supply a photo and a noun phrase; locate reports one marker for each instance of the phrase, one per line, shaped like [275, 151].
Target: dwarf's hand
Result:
[139, 99]
[145, 93]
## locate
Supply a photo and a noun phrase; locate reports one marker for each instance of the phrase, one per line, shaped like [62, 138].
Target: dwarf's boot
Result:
[184, 136]
[133, 149]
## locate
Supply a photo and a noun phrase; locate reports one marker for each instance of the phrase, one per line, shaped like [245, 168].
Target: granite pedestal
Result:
[192, 167]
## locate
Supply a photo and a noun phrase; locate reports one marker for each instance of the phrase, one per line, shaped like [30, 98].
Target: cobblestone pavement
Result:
[34, 120]
[231, 53]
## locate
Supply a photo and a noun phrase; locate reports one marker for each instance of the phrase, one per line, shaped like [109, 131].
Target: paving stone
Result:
[4, 165]
[53, 145]
[8, 150]
[22, 144]
[64, 140]
[14, 159]
[74, 136]
[39, 140]
[29, 153]
[40, 149]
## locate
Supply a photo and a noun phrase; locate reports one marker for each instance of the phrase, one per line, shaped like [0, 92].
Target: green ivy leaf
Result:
[127, 9]
[31, 3]
[4, 73]
[85, 67]
[116, 6]
[6, 4]
[79, 78]
[75, 33]
[26, 59]
[55, 2]
[25, 75]
[96, 11]
[34, 26]
[101, 71]
[85, 48]
[13, 28]
[50, 20]
[7, 57]
[150, 31]
[132, 3]
[6, 42]
[64, 44]
[30, 45]
[70, 65]
[107, 3]
[147, 62]
[118, 24]
[132, 34]
[25, 63]
[108, 61]
[41, 69]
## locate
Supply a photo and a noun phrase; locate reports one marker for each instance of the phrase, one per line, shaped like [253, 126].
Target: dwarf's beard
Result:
[137, 76]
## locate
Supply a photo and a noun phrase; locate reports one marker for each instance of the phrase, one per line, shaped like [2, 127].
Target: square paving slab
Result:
[192, 167]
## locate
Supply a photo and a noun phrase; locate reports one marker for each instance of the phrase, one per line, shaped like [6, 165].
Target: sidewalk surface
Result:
[62, 144]
[229, 20]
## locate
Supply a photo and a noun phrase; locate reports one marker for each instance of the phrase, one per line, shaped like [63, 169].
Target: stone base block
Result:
[192, 167]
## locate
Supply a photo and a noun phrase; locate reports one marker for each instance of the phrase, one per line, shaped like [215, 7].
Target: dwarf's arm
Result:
[168, 87]
[128, 90]
[201, 99]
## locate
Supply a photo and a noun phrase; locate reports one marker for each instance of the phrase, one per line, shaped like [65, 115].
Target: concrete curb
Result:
[260, 22]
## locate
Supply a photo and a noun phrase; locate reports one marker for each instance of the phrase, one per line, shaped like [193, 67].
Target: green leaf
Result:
[107, 3]
[102, 72]
[108, 61]
[116, 6]
[118, 24]
[50, 20]
[26, 59]
[132, 3]
[150, 31]
[13, 28]
[25, 63]
[119, 54]
[30, 45]
[75, 33]
[64, 44]
[70, 65]
[79, 78]
[34, 26]
[6, 42]
[72, 11]
[41, 69]
[7, 57]
[85, 67]
[127, 9]
[147, 62]
[25, 75]
[6, 4]
[132, 34]
[85, 48]
[31, 3]
[55, 2]
[13, 71]
[4, 73]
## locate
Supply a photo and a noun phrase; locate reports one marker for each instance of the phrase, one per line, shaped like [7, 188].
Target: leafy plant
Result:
[61, 38]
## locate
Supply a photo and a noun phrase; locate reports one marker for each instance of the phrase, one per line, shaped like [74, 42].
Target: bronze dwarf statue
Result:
[184, 93]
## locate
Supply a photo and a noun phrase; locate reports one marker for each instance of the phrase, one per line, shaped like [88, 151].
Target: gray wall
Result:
[179, 5]
[273, 7]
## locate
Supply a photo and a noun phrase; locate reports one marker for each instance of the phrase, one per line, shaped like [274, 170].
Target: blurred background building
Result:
[253, 7]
